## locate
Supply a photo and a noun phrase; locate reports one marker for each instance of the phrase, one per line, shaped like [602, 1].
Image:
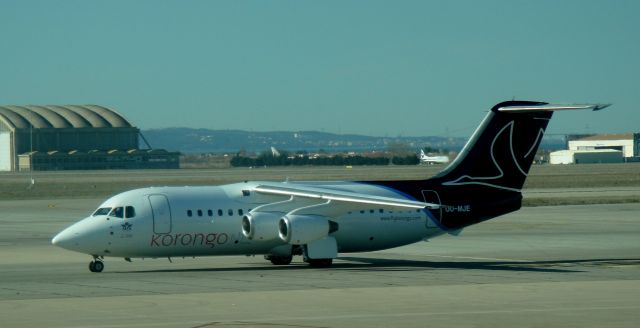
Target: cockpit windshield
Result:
[117, 212]
[102, 211]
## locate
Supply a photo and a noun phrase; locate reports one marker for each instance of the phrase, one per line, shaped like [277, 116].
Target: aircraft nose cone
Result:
[65, 239]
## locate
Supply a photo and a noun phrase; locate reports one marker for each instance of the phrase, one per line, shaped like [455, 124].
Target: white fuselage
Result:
[318, 220]
[203, 221]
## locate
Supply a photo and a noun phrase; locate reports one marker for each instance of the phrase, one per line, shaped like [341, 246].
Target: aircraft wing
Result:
[329, 202]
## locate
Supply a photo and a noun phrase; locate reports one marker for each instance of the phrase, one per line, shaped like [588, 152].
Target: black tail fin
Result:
[485, 180]
[501, 151]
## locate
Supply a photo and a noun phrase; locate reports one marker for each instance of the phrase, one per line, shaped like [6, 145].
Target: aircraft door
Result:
[161, 212]
[431, 196]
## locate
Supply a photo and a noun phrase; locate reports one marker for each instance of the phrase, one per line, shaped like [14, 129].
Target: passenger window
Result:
[189, 213]
[129, 212]
[210, 212]
[240, 212]
[199, 212]
[117, 212]
[381, 210]
[230, 212]
[370, 211]
[219, 212]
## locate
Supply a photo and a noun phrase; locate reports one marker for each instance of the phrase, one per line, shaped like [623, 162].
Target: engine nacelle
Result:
[303, 229]
[260, 226]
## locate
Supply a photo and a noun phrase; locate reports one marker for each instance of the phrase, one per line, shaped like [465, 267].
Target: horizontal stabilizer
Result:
[550, 107]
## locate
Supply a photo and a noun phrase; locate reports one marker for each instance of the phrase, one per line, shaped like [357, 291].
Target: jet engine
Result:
[260, 226]
[303, 229]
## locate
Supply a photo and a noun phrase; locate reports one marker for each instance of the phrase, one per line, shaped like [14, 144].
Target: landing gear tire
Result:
[96, 266]
[279, 260]
[320, 263]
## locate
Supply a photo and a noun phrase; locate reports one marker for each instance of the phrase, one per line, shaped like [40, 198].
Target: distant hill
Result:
[188, 140]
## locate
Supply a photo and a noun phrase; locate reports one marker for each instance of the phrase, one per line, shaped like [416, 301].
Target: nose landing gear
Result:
[96, 265]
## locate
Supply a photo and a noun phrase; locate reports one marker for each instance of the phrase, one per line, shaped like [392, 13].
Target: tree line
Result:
[267, 159]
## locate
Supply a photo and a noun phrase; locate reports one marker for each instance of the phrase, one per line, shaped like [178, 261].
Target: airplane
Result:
[318, 220]
[433, 159]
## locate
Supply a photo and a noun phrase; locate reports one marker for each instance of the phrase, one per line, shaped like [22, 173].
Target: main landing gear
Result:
[286, 260]
[279, 260]
[96, 265]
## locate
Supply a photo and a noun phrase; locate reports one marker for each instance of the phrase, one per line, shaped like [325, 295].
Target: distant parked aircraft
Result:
[320, 219]
[433, 159]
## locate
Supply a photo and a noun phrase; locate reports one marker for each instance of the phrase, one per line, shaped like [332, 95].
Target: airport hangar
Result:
[604, 148]
[74, 137]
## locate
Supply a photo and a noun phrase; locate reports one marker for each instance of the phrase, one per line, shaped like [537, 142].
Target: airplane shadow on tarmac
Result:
[383, 264]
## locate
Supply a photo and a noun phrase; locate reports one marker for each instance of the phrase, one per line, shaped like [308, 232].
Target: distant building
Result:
[73, 137]
[585, 156]
[628, 143]
[605, 148]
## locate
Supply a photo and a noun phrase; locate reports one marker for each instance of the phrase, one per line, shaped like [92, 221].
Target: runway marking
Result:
[481, 258]
[272, 320]
[624, 266]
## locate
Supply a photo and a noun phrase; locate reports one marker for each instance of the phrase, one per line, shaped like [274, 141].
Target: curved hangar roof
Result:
[69, 116]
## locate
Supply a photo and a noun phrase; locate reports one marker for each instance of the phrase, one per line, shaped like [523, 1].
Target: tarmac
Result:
[569, 266]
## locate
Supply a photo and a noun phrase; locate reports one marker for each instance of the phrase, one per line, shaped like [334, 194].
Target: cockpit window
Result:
[117, 212]
[129, 212]
[102, 211]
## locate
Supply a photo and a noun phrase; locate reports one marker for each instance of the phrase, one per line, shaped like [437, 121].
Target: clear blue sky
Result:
[407, 68]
